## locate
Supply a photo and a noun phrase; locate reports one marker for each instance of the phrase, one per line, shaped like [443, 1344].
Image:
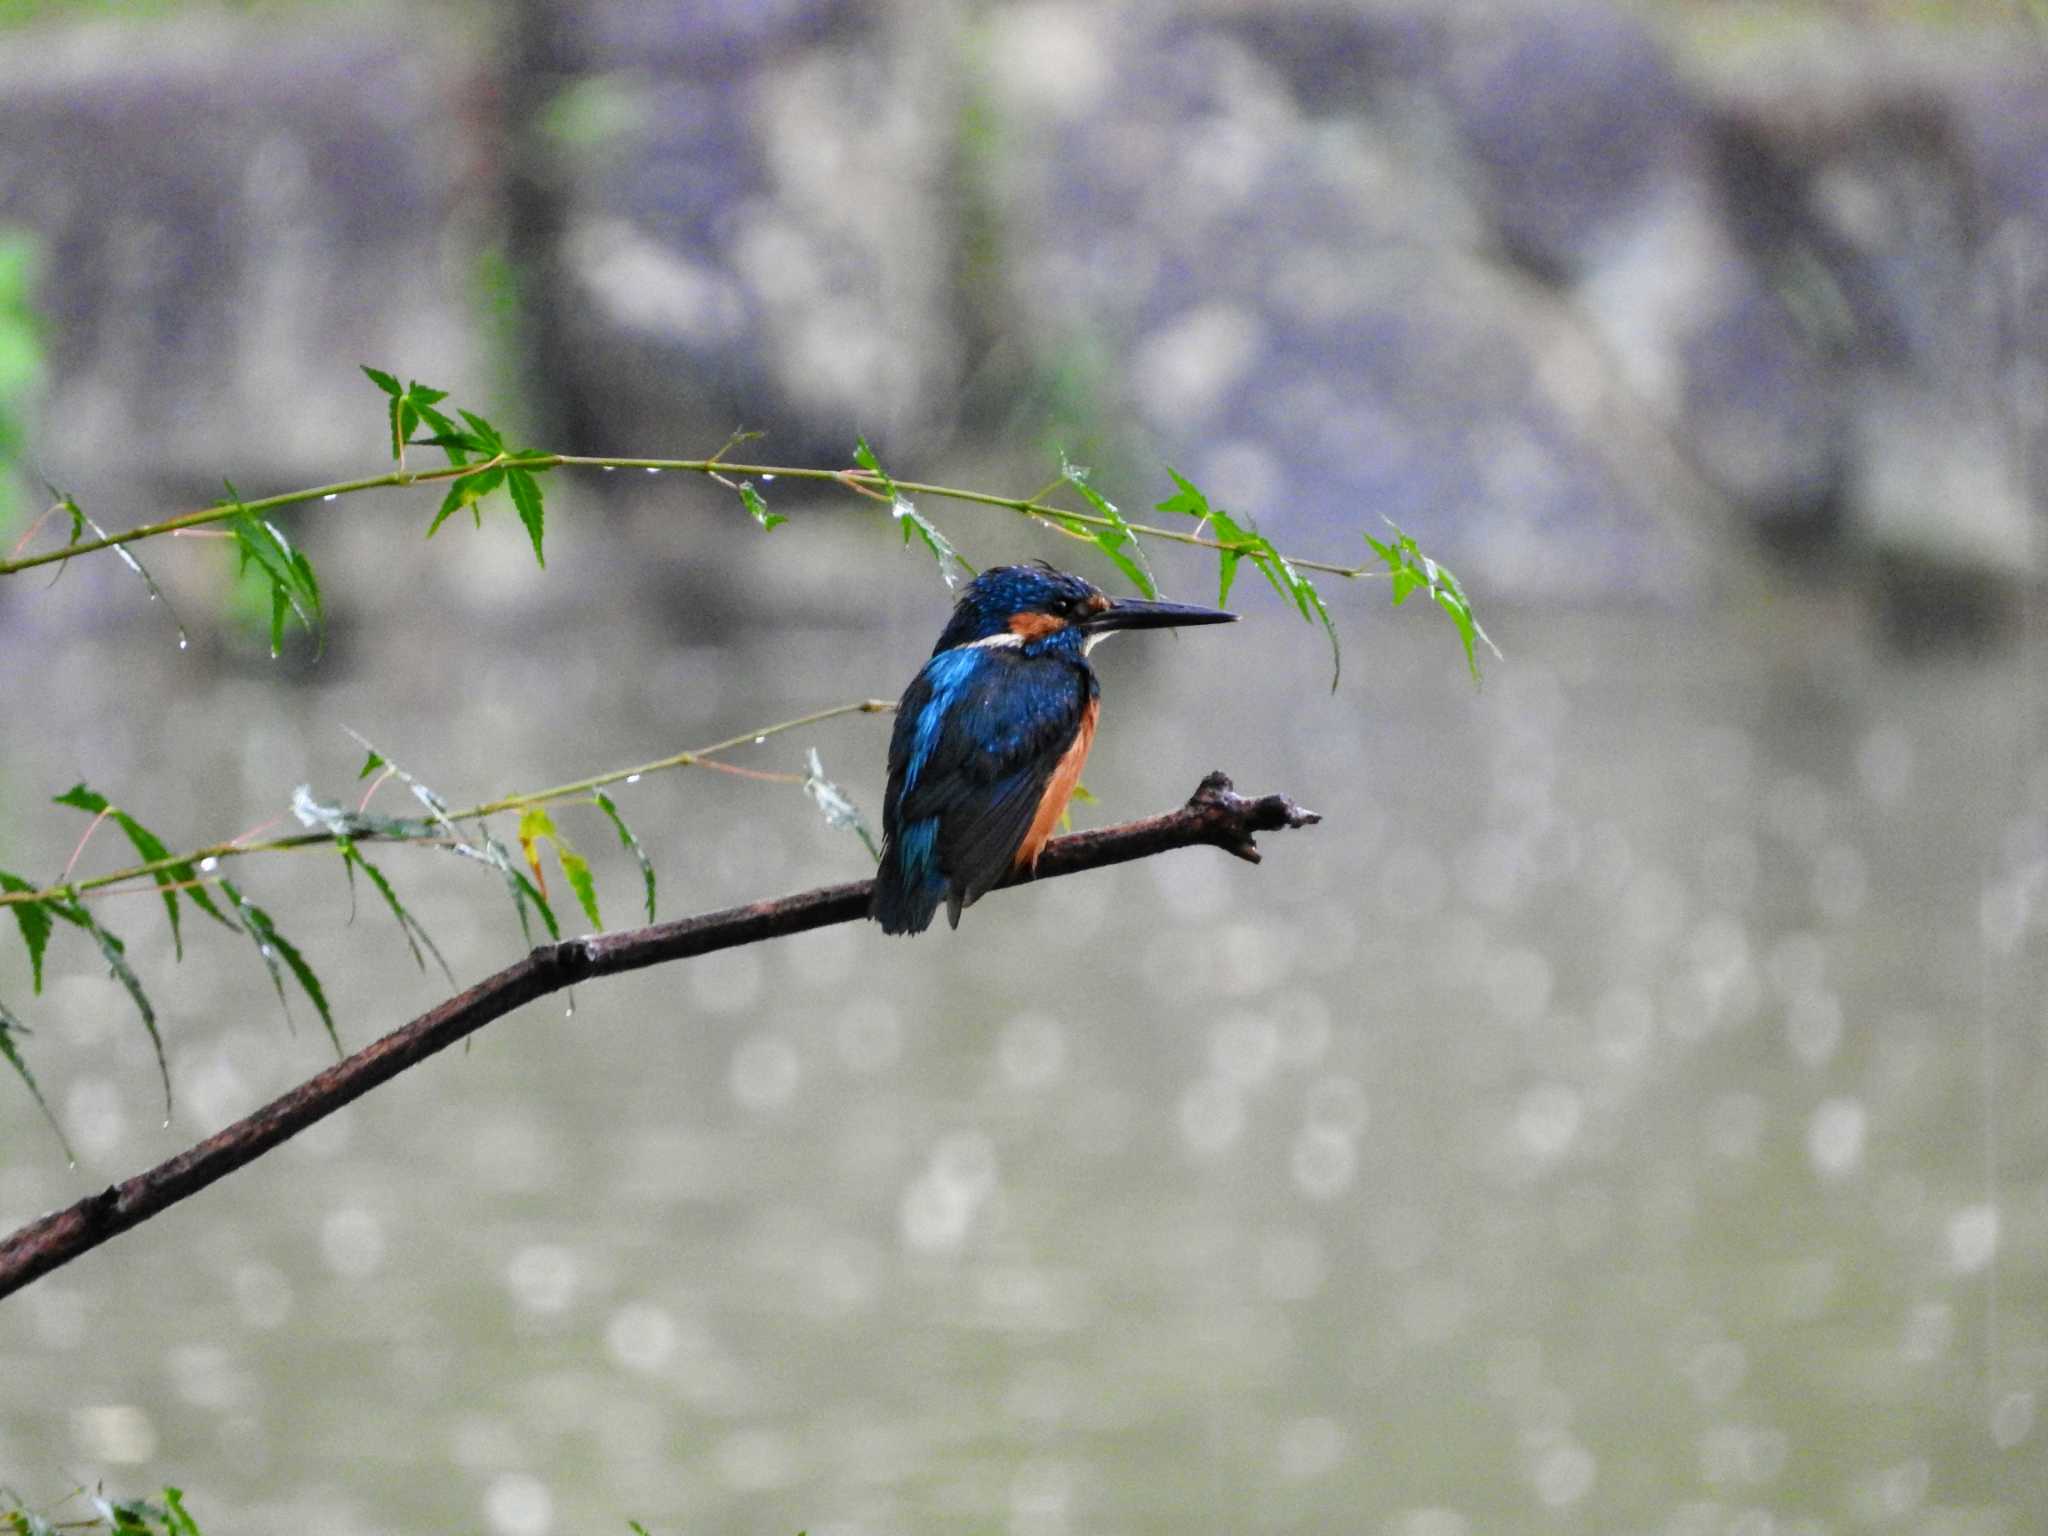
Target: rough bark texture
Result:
[1215, 816]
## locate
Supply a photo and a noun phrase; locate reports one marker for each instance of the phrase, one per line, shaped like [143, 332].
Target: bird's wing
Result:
[983, 764]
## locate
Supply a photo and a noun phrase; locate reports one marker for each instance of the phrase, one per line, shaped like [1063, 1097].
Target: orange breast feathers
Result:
[1059, 790]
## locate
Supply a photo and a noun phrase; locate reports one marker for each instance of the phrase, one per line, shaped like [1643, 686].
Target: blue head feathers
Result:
[1002, 593]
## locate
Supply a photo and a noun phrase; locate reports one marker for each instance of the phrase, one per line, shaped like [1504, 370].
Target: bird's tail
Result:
[909, 885]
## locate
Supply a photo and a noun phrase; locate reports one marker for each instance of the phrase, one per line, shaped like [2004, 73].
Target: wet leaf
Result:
[758, 509]
[416, 936]
[273, 947]
[1116, 540]
[127, 558]
[941, 548]
[864, 456]
[10, 1028]
[294, 589]
[524, 892]
[631, 844]
[152, 850]
[837, 806]
[114, 952]
[33, 918]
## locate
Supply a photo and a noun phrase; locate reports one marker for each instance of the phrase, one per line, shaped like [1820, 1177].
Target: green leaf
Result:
[486, 434]
[1411, 571]
[631, 844]
[467, 491]
[10, 1027]
[114, 952]
[1310, 602]
[176, 1521]
[126, 556]
[293, 586]
[381, 379]
[864, 456]
[837, 806]
[526, 501]
[751, 500]
[905, 512]
[81, 798]
[523, 890]
[33, 918]
[1113, 540]
[415, 935]
[577, 870]
[370, 765]
[535, 824]
[272, 947]
[457, 445]
[941, 548]
[152, 850]
[1187, 499]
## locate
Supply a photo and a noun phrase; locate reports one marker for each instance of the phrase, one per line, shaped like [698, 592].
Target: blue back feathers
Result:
[975, 741]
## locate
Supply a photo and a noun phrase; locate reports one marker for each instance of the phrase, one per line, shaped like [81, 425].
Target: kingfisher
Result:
[991, 735]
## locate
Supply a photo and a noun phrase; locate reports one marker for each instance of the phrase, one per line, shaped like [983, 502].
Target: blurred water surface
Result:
[1624, 1113]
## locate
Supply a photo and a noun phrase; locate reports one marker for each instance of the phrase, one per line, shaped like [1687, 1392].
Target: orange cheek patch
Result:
[1034, 626]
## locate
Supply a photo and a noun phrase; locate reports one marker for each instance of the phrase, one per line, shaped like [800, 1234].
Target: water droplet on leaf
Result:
[759, 739]
[632, 778]
[330, 496]
[208, 865]
[652, 470]
[767, 479]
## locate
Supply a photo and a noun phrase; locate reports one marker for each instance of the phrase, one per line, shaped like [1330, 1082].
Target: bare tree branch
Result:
[1215, 816]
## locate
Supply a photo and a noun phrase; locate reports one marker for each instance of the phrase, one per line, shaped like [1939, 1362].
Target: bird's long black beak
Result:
[1139, 613]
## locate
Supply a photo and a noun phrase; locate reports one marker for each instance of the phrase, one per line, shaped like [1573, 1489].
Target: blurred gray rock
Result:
[749, 220]
[1911, 223]
[1810, 294]
[1309, 316]
[229, 222]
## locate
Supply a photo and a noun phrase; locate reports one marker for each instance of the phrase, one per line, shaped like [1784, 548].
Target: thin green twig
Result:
[859, 481]
[695, 757]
